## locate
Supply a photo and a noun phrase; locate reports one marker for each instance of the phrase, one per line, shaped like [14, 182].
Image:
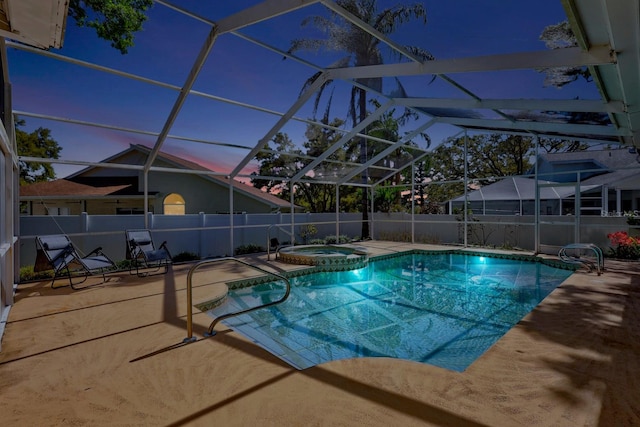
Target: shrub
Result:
[625, 246]
[307, 231]
[248, 249]
[124, 264]
[429, 239]
[185, 256]
[400, 236]
[27, 274]
[332, 239]
[633, 218]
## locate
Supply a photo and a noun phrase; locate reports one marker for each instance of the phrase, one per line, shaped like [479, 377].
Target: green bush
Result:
[185, 256]
[401, 236]
[249, 249]
[124, 264]
[332, 239]
[28, 275]
[307, 231]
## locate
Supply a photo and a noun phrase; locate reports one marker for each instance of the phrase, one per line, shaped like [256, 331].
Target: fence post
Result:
[84, 222]
[201, 232]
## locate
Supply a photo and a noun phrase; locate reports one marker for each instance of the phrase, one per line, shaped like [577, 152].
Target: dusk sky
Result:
[241, 71]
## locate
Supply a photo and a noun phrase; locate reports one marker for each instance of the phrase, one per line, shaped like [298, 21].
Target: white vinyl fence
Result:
[209, 235]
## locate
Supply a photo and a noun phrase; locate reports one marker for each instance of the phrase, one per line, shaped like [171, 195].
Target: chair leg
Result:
[69, 277]
[136, 265]
[151, 269]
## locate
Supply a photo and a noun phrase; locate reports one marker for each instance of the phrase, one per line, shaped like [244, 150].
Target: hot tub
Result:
[334, 257]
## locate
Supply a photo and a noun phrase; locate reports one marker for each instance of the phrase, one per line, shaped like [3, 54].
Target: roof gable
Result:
[137, 154]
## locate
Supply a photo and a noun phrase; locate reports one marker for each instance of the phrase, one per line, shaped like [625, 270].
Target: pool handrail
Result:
[281, 227]
[210, 331]
[574, 259]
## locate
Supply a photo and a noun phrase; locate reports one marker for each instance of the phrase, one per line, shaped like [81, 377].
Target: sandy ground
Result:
[69, 359]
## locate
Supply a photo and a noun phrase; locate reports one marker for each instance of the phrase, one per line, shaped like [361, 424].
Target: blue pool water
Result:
[441, 309]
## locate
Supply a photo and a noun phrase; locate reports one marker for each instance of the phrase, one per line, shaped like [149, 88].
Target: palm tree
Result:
[387, 127]
[362, 49]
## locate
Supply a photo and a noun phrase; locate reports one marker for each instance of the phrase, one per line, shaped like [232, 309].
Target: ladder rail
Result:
[573, 259]
[210, 331]
[280, 227]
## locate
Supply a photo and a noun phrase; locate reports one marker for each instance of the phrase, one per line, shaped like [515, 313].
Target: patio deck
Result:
[66, 360]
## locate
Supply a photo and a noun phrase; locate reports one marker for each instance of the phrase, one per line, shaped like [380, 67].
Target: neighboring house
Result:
[608, 183]
[110, 191]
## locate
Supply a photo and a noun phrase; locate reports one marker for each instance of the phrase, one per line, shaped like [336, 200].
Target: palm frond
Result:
[389, 19]
[421, 53]
[310, 81]
[400, 92]
[341, 63]
[326, 116]
[312, 45]
[324, 85]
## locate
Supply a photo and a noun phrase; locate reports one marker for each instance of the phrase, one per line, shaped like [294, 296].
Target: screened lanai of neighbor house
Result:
[235, 87]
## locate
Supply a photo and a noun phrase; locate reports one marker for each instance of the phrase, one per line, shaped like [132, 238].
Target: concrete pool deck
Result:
[67, 360]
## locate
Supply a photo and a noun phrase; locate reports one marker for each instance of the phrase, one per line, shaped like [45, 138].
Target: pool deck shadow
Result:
[69, 358]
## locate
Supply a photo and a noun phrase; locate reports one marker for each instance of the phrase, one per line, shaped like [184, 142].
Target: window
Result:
[174, 204]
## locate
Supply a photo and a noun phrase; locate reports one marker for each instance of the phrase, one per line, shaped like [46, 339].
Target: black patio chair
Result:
[57, 252]
[145, 258]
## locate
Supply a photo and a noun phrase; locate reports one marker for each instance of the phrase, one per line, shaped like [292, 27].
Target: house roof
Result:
[615, 165]
[618, 168]
[65, 188]
[181, 163]
[38, 23]
[607, 158]
[521, 188]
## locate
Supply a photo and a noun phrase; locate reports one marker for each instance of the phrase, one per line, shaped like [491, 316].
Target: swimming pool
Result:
[444, 309]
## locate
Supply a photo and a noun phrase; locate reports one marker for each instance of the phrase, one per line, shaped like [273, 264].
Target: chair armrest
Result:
[164, 246]
[134, 249]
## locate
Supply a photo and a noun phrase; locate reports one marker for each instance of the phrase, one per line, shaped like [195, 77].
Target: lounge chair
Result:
[144, 255]
[57, 252]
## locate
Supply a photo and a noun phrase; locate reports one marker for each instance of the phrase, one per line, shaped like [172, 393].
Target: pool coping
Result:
[323, 268]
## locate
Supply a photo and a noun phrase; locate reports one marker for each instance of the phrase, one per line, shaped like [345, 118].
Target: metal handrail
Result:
[599, 264]
[291, 235]
[210, 331]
